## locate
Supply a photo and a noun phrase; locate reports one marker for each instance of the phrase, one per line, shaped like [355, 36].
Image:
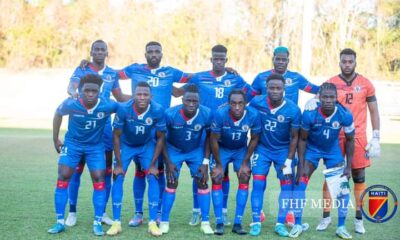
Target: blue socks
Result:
[259, 185]
[241, 199]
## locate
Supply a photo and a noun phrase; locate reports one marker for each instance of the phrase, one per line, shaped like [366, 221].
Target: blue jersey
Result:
[110, 79]
[86, 126]
[214, 90]
[233, 133]
[160, 80]
[293, 82]
[186, 134]
[276, 123]
[137, 128]
[324, 130]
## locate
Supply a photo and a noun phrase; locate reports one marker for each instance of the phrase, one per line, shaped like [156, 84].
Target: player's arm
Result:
[159, 147]
[217, 170]
[57, 120]
[294, 138]
[373, 147]
[72, 89]
[308, 86]
[301, 149]
[178, 92]
[204, 167]
[120, 96]
[349, 149]
[117, 151]
[245, 167]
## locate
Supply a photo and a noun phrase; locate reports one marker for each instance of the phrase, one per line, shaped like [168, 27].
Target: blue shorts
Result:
[331, 159]
[227, 156]
[71, 154]
[193, 159]
[262, 159]
[142, 155]
[108, 136]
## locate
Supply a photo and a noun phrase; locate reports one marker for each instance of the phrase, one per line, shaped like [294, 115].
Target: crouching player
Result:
[228, 139]
[186, 123]
[319, 138]
[280, 121]
[87, 118]
[133, 140]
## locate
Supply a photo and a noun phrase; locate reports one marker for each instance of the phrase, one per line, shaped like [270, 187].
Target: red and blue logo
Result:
[378, 203]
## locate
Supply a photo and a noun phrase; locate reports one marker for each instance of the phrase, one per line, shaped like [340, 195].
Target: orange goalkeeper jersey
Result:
[355, 95]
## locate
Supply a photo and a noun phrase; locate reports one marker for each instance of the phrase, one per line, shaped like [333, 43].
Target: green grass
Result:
[28, 166]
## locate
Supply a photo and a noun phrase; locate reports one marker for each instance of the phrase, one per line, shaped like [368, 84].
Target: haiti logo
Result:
[378, 203]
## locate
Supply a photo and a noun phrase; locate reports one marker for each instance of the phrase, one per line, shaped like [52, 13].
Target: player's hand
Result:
[74, 95]
[287, 167]
[154, 171]
[118, 170]
[231, 70]
[84, 63]
[203, 170]
[374, 147]
[58, 145]
[311, 104]
[171, 170]
[244, 170]
[217, 171]
[299, 173]
[347, 172]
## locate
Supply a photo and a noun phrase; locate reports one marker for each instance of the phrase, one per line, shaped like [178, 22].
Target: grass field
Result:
[28, 176]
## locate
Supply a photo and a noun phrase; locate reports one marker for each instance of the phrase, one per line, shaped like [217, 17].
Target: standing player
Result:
[280, 121]
[319, 138]
[214, 88]
[87, 118]
[186, 125]
[133, 140]
[229, 131]
[356, 93]
[99, 53]
[294, 82]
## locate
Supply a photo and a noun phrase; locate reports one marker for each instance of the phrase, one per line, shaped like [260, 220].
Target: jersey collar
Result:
[99, 71]
[140, 116]
[189, 121]
[327, 118]
[218, 78]
[237, 122]
[274, 110]
[91, 110]
[348, 83]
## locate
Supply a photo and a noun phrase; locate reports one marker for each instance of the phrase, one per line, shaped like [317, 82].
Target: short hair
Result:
[153, 43]
[281, 49]
[91, 78]
[275, 76]
[191, 88]
[219, 49]
[97, 41]
[327, 86]
[348, 51]
[142, 84]
[236, 91]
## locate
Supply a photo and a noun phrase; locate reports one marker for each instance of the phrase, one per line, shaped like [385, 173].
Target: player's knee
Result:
[226, 172]
[172, 185]
[202, 185]
[359, 179]
[244, 179]
[216, 180]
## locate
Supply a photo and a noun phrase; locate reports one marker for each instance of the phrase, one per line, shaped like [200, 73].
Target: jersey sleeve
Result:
[208, 121]
[256, 124]
[127, 72]
[119, 118]
[160, 124]
[348, 124]
[65, 107]
[307, 86]
[370, 91]
[216, 124]
[178, 76]
[76, 75]
[246, 88]
[296, 122]
[306, 120]
[256, 84]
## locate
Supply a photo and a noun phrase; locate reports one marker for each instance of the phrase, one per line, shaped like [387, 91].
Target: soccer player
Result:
[229, 130]
[186, 124]
[99, 53]
[319, 138]
[294, 82]
[133, 140]
[214, 87]
[356, 93]
[280, 121]
[161, 79]
[87, 119]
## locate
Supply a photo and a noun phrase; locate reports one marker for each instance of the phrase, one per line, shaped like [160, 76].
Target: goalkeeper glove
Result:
[373, 147]
[287, 168]
[311, 104]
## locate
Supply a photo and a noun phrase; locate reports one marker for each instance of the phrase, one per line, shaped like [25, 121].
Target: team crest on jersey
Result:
[280, 118]
[227, 83]
[336, 125]
[288, 81]
[149, 121]
[357, 89]
[245, 128]
[161, 74]
[197, 127]
[100, 115]
[107, 78]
